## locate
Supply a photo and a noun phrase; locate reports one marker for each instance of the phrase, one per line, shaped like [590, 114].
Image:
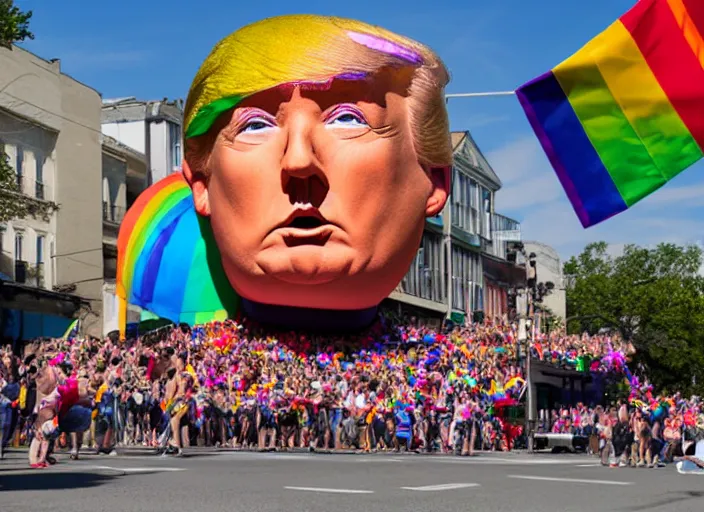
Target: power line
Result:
[60, 116]
[76, 252]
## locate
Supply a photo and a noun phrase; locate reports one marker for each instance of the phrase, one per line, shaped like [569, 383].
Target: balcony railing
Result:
[503, 231]
[34, 188]
[113, 213]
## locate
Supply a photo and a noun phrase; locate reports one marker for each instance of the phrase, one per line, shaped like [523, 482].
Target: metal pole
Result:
[529, 380]
[480, 94]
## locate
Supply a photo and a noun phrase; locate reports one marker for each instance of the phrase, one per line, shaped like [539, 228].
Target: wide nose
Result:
[300, 159]
[302, 174]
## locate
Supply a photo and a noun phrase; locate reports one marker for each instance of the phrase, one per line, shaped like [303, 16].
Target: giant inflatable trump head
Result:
[315, 147]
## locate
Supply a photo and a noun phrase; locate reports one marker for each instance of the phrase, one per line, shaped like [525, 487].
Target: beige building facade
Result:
[50, 128]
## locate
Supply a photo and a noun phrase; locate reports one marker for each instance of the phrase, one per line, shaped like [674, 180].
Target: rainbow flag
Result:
[72, 330]
[167, 259]
[625, 114]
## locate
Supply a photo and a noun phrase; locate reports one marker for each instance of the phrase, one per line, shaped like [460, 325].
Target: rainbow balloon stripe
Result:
[625, 114]
[168, 262]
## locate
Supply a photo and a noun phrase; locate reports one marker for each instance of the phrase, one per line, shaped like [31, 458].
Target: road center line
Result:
[334, 491]
[568, 480]
[441, 487]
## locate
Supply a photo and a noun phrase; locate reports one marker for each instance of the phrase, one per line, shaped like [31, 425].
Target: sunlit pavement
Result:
[262, 482]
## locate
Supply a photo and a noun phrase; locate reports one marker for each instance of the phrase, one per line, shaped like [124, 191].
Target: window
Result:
[175, 141]
[18, 247]
[424, 278]
[19, 166]
[40, 260]
[466, 274]
[40, 249]
[39, 175]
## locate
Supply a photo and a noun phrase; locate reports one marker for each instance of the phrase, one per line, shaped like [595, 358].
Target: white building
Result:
[30, 242]
[549, 268]
[149, 127]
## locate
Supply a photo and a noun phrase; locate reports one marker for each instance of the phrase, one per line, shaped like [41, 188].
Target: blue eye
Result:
[257, 124]
[348, 119]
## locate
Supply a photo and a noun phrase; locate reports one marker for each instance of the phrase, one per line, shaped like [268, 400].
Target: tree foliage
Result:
[14, 28]
[14, 204]
[14, 24]
[652, 297]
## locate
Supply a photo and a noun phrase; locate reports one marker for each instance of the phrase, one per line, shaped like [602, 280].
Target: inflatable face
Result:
[314, 149]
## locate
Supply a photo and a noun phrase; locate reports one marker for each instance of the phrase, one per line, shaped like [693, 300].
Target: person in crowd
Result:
[400, 385]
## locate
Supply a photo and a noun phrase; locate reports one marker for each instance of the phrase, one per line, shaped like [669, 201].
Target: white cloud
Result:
[533, 194]
[526, 174]
[685, 194]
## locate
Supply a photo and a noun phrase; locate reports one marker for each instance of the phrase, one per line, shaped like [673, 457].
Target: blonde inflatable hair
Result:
[317, 49]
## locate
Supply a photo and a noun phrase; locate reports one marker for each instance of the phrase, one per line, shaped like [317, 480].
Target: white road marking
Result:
[334, 491]
[288, 457]
[569, 480]
[441, 487]
[154, 469]
[499, 461]
[377, 459]
[588, 465]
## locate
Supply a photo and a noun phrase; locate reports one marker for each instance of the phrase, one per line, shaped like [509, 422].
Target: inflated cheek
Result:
[236, 190]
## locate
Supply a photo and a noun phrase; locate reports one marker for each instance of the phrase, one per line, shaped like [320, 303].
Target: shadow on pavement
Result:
[668, 499]
[48, 481]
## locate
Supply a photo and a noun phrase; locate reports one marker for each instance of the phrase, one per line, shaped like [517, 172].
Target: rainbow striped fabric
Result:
[168, 262]
[625, 114]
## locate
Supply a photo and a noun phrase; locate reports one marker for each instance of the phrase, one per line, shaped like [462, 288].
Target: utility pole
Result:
[532, 280]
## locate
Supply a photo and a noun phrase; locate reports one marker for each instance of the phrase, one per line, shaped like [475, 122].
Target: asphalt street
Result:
[253, 482]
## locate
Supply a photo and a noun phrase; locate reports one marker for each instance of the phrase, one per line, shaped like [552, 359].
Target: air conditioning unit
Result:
[20, 272]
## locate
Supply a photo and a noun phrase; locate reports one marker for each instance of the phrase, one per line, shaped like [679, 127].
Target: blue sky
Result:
[152, 48]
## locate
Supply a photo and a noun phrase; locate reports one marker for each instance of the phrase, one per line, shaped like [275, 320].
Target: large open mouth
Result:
[305, 223]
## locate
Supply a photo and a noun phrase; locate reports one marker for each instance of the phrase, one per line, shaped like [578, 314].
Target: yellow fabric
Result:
[23, 397]
[283, 50]
[99, 394]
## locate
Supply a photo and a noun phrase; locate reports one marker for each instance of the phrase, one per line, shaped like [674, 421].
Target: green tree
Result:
[14, 28]
[652, 297]
[14, 24]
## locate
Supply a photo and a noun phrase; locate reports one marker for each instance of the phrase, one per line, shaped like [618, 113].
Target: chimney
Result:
[56, 65]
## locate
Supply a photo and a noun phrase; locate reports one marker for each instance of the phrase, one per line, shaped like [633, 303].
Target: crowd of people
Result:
[397, 386]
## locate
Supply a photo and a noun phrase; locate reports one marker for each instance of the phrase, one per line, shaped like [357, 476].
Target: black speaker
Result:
[478, 317]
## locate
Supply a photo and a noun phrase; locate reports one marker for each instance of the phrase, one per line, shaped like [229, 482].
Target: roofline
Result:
[113, 145]
[51, 61]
